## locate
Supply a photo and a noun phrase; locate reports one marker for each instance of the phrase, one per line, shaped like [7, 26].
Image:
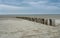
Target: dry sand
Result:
[19, 28]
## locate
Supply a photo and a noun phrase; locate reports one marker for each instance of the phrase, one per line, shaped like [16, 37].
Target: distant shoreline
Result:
[56, 16]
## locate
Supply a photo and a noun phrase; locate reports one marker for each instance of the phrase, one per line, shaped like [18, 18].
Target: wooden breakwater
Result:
[45, 21]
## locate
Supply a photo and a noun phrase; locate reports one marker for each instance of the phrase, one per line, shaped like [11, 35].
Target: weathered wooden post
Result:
[42, 20]
[23, 17]
[46, 21]
[33, 19]
[39, 20]
[26, 18]
[36, 20]
[52, 22]
[30, 19]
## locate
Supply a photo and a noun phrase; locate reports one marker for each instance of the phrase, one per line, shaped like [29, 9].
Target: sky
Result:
[29, 6]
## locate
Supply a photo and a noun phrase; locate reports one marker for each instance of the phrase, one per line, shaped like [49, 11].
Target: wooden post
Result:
[52, 22]
[26, 18]
[36, 20]
[39, 20]
[46, 21]
[30, 19]
[43, 21]
[33, 19]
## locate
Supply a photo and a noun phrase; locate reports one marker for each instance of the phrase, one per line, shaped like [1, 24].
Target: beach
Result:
[20, 28]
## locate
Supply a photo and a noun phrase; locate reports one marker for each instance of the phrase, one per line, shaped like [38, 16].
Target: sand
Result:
[19, 28]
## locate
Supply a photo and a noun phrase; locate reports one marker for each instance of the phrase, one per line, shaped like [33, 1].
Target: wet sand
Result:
[20, 28]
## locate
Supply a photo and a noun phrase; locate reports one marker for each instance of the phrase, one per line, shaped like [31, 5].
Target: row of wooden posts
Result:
[50, 22]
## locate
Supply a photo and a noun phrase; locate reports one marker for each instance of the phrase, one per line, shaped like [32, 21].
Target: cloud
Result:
[29, 6]
[42, 5]
[13, 9]
[2, 6]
